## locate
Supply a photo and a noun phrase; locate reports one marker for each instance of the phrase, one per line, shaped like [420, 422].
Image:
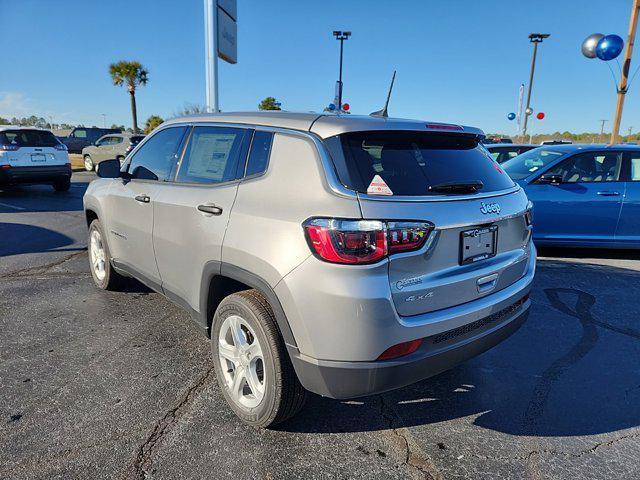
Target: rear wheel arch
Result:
[222, 279]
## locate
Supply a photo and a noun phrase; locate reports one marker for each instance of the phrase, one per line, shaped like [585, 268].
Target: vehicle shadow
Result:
[41, 198]
[571, 370]
[18, 238]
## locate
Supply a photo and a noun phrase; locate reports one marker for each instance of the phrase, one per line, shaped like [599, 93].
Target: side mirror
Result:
[109, 169]
[550, 179]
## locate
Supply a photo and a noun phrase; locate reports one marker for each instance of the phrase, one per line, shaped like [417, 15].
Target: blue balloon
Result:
[511, 116]
[332, 107]
[609, 47]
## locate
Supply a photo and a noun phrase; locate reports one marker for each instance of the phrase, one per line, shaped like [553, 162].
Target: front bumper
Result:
[343, 380]
[40, 174]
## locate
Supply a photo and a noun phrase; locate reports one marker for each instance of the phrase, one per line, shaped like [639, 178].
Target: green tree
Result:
[152, 122]
[269, 103]
[4, 121]
[118, 127]
[131, 74]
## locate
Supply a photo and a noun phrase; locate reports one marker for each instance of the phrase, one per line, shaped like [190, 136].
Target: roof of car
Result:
[323, 124]
[20, 127]
[510, 145]
[587, 147]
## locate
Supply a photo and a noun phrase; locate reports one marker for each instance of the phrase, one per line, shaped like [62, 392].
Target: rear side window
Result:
[79, 134]
[28, 138]
[212, 155]
[155, 158]
[411, 162]
[259, 153]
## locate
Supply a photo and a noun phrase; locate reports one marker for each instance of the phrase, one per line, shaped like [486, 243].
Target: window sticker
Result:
[378, 187]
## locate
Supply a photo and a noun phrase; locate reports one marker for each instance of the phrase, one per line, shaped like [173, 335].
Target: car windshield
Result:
[414, 163]
[529, 162]
[28, 138]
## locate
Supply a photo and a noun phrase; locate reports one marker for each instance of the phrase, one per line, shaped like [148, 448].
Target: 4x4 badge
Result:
[487, 208]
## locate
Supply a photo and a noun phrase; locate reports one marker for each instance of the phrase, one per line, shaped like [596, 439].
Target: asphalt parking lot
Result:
[100, 384]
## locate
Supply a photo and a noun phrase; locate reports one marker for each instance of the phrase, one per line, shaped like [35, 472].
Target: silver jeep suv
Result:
[336, 254]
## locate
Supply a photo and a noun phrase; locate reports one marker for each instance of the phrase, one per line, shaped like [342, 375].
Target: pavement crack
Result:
[412, 455]
[41, 269]
[143, 462]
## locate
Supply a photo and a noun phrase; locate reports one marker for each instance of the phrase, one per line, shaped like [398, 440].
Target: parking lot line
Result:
[11, 206]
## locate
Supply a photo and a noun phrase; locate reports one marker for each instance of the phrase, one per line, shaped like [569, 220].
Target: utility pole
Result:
[602, 122]
[626, 66]
[534, 38]
[104, 120]
[629, 130]
[341, 36]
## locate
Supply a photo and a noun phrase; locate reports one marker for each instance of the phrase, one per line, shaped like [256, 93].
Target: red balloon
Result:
[345, 106]
[540, 115]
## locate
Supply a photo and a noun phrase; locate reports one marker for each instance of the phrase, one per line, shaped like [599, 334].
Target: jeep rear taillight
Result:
[9, 148]
[363, 241]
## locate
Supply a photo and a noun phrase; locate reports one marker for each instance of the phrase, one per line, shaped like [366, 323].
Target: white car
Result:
[30, 155]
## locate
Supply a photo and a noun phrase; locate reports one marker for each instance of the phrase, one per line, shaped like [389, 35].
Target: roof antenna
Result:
[384, 112]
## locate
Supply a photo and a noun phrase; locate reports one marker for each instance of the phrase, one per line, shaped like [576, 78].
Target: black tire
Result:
[284, 396]
[112, 280]
[62, 185]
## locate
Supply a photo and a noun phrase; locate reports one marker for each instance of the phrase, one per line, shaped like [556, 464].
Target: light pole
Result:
[104, 120]
[534, 38]
[341, 36]
[626, 65]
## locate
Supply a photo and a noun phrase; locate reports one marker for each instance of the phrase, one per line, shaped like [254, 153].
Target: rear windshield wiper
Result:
[457, 187]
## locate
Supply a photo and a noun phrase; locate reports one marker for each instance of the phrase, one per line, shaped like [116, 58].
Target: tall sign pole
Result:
[220, 40]
[626, 66]
[534, 38]
[341, 36]
[211, 53]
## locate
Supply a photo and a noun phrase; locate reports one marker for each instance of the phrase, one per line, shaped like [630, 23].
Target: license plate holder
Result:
[478, 244]
[38, 157]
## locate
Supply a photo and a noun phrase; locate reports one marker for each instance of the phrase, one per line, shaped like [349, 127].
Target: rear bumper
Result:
[342, 380]
[40, 174]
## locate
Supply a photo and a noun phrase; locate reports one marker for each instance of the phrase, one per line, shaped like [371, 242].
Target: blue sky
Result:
[458, 61]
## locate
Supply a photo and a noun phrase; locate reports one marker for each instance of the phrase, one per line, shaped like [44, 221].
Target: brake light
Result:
[60, 146]
[363, 241]
[347, 241]
[9, 148]
[401, 349]
[444, 126]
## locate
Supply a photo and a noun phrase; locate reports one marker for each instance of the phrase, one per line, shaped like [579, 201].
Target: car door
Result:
[98, 152]
[584, 205]
[628, 230]
[132, 204]
[191, 213]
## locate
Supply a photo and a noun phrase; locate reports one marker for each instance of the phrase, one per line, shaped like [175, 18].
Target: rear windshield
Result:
[410, 162]
[530, 162]
[28, 138]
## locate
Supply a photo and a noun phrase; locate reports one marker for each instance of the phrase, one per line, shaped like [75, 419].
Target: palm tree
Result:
[130, 74]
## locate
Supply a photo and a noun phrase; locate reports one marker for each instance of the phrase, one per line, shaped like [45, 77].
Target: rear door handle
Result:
[211, 209]
[608, 193]
[143, 198]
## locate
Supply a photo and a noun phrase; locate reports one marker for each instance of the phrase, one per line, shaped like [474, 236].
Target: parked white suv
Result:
[337, 254]
[30, 155]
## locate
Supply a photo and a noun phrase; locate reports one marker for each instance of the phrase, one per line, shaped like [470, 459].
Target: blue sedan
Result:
[583, 195]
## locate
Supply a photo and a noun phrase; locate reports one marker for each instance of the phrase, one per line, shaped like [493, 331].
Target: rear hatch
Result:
[479, 243]
[31, 148]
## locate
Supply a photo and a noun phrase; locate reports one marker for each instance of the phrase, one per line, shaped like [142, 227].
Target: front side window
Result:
[530, 162]
[414, 163]
[259, 153]
[154, 160]
[212, 155]
[589, 167]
